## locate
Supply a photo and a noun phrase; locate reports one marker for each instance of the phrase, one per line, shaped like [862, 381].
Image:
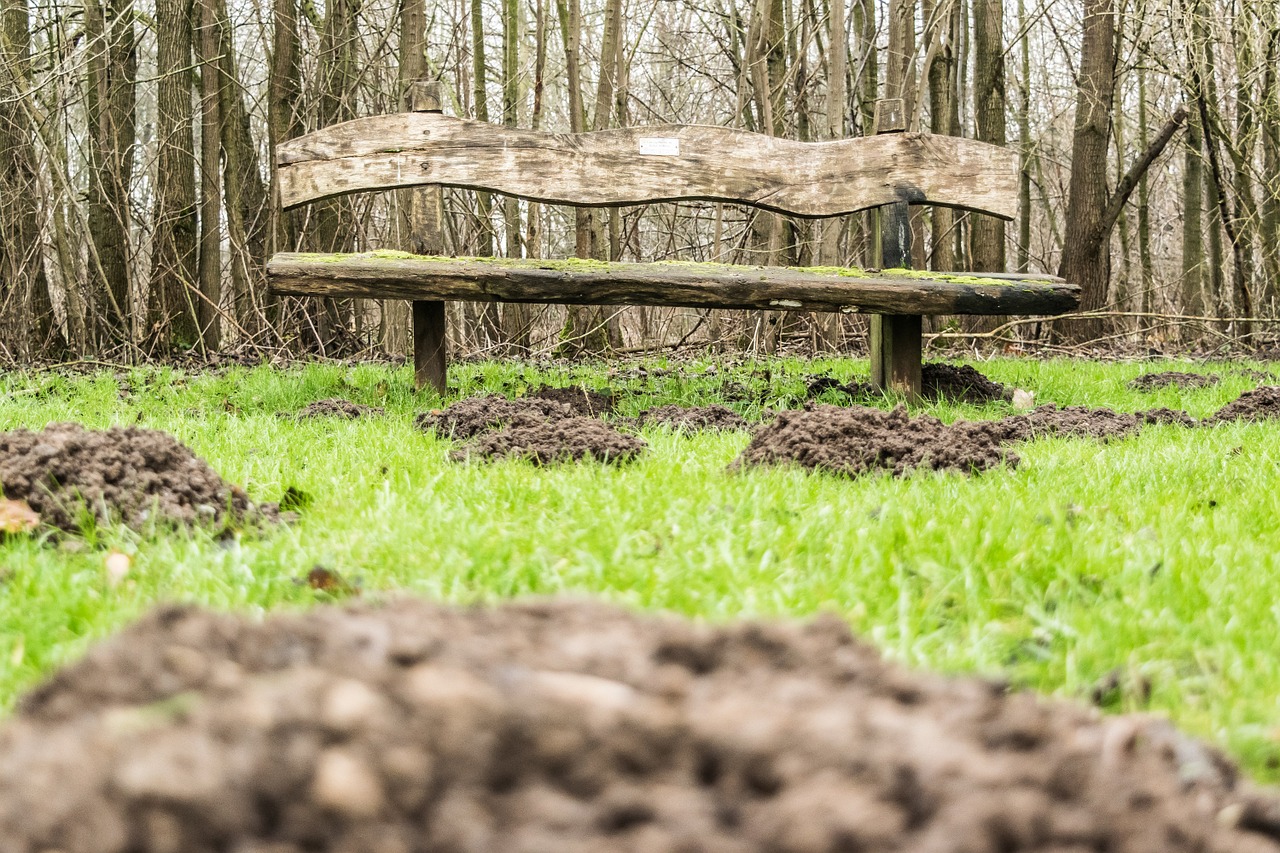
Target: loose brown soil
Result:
[123, 474]
[560, 440]
[338, 408]
[954, 383]
[961, 384]
[857, 440]
[476, 415]
[581, 401]
[578, 727]
[855, 389]
[714, 417]
[1258, 405]
[1081, 421]
[1173, 379]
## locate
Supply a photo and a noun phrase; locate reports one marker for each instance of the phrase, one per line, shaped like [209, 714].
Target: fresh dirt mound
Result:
[577, 727]
[856, 440]
[957, 383]
[855, 389]
[1173, 379]
[559, 440]
[1081, 421]
[581, 401]
[123, 474]
[960, 383]
[714, 417]
[335, 407]
[1258, 405]
[476, 415]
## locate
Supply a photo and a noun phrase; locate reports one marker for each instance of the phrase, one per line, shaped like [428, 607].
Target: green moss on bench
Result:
[570, 265]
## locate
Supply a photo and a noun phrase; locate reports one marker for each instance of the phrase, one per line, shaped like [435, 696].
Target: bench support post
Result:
[896, 339]
[430, 364]
[430, 367]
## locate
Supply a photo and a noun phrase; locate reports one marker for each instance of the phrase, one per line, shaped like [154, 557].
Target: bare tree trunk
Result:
[988, 252]
[828, 325]
[1146, 302]
[173, 313]
[488, 329]
[1091, 211]
[284, 122]
[246, 199]
[588, 328]
[940, 75]
[1086, 259]
[396, 316]
[27, 325]
[517, 317]
[1269, 115]
[111, 66]
[332, 222]
[210, 178]
[765, 61]
[1193, 258]
[1024, 143]
[986, 233]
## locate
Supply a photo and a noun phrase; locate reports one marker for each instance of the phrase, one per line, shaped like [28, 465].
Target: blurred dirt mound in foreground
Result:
[578, 727]
[119, 474]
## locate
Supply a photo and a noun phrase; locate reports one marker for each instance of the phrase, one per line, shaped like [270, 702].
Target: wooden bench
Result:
[889, 171]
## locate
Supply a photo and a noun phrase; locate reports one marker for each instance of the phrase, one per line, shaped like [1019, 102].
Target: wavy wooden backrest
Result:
[648, 164]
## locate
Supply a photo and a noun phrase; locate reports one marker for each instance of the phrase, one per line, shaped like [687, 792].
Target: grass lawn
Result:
[1154, 558]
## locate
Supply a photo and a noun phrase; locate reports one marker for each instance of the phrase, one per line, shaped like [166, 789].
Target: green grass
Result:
[1157, 556]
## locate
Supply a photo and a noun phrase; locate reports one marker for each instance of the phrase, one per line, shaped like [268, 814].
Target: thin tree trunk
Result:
[27, 325]
[210, 271]
[1024, 142]
[987, 248]
[246, 199]
[1146, 302]
[1193, 257]
[332, 222]
[516, 317]
[396, 317]
[1269, 119]
[940, 77]
[488, 329]
[111, 65]
[828, 326]
[284, 122]
[588, 328]
[173, 311]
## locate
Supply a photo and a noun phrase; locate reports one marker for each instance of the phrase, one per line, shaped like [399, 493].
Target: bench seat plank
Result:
[398, 275]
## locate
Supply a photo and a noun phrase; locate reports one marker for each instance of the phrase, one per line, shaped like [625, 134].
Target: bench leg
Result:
[429, 365]
[895, 353]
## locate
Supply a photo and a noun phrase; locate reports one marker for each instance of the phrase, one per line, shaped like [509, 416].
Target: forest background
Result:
[136, 175]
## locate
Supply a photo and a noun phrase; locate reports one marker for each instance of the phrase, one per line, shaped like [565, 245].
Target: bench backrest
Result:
[648, 164]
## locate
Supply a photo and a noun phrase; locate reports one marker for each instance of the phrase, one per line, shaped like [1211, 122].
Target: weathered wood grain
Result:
[648, 164]
[393, 275]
